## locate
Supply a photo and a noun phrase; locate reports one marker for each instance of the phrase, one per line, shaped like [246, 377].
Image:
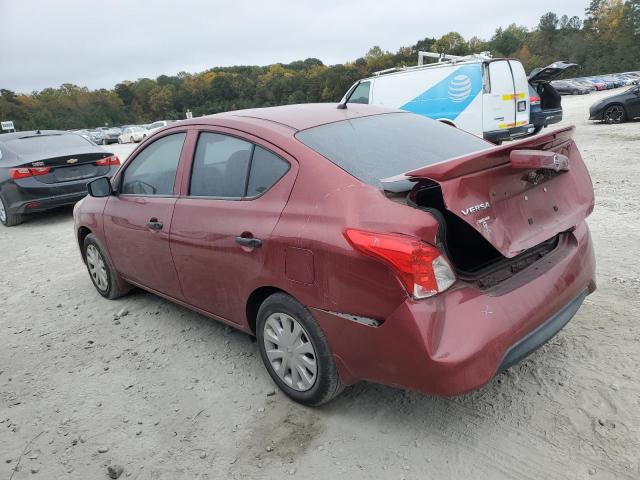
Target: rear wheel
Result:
[614, 114]
[8, 219]
[295, 351]
[102, 273]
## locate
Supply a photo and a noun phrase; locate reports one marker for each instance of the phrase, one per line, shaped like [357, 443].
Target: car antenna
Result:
[343, 104]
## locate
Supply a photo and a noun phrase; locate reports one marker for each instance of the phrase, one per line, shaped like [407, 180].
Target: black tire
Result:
[614, 114]
[112, 289]
[327, 382]
[9, 219]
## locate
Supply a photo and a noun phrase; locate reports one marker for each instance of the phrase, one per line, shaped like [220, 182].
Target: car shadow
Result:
[508, 394]
[47, 217]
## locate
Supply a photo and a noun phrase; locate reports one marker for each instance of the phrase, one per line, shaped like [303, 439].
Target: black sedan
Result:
[618, 108]
[40, 170]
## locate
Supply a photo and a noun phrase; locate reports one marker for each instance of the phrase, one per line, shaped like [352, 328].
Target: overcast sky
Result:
[97, 43]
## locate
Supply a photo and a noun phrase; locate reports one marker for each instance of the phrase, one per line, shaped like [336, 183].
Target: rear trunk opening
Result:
[502, 209]
[549, 97]
[471, 255]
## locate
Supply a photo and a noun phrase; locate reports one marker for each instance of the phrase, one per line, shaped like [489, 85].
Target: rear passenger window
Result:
[153, 171]
[360, 94]
[266, 170]
[220, 166]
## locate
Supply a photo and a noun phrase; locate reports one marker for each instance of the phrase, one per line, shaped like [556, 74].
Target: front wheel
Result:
[8, 219]
[295, 351]
[102, 273]
[614, 114]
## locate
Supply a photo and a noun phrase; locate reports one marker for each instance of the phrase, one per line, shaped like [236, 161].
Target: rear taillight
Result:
[108, 161]
[421, 267]
[534, 100]
[18, 173]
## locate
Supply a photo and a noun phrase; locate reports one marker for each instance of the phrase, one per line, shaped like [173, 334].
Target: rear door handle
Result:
[250, 242]
[154, 224]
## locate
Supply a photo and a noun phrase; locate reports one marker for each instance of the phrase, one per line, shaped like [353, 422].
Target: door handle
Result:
[250, 242]
[154, 224]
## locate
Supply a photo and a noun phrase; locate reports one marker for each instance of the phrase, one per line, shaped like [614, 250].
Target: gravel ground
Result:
[87, 383]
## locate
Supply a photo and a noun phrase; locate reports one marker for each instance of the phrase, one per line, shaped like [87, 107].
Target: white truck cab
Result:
[484, 96]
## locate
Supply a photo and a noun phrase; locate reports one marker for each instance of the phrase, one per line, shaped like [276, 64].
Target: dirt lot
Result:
[168, 394]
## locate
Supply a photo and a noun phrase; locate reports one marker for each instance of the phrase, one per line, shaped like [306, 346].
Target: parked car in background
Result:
[617, 108]
[545, 101]
[569, 87]
[97, 136]
[628, 79]
[44, 169]
[617, 81]
[133, 134]
[111, 135]
[83, 133]
[158, 125]
[599, 84]
[585, 84]
[431, 279]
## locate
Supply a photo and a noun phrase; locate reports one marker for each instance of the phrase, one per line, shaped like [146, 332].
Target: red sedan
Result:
[356, 244]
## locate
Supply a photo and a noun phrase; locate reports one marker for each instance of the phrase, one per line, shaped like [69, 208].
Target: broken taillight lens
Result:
[421, 267]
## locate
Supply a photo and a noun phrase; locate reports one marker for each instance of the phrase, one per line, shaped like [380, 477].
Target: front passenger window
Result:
[153, 171]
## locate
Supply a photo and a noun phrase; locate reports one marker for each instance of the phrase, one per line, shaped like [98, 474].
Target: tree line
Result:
[607, 40]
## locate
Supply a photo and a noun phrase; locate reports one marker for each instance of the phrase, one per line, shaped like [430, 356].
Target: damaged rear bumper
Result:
[456, 342]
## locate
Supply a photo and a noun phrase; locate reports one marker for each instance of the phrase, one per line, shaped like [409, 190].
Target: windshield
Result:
[382, 146]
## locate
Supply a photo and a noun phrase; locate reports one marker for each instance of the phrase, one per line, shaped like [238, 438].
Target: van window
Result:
[381, 146]
[486, 78]
[361, 93]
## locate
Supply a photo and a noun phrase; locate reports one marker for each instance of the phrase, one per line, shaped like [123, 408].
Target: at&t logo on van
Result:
[459, 88]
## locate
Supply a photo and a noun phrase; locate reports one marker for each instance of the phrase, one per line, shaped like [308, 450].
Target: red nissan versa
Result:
[356, 244]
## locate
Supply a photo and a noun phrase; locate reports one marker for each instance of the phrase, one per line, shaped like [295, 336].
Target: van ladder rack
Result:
[443, 59]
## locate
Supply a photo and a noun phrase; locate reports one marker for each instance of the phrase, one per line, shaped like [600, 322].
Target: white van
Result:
[485, 96]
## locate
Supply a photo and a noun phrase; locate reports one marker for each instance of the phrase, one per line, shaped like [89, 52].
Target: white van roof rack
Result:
[443, 58]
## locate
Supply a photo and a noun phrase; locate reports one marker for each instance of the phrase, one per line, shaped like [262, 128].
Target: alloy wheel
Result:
[97, 268]
[291, 354]
[614, 114]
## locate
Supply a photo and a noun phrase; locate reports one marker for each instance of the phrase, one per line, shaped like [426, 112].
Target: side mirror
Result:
[100, 187]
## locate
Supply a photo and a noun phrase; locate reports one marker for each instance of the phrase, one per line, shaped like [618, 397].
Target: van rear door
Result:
[499, 108]
[521, 96]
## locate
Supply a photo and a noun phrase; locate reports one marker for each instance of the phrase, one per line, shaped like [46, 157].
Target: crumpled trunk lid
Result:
[517, 201]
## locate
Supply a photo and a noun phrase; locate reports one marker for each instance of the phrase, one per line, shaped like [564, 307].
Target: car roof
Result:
[298, 117]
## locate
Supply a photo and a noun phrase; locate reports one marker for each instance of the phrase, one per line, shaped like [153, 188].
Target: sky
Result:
[98, 43]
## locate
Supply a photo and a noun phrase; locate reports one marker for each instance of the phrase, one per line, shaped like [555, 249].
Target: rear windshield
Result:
[382, 146]
[46, 143]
